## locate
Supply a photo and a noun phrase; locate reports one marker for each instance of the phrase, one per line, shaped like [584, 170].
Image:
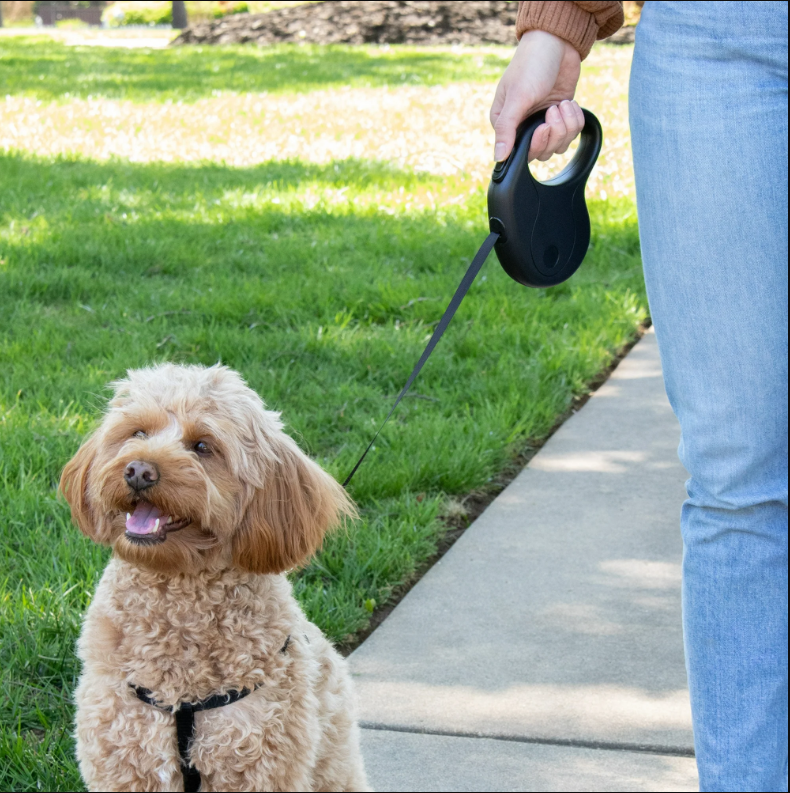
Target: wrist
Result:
[567, 21]
[541, 38]
[547, 46]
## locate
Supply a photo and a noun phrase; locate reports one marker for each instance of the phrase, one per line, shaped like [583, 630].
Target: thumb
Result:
[511, 115]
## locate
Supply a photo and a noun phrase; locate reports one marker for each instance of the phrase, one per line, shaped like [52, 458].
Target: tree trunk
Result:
[179, 15]
[1, 14]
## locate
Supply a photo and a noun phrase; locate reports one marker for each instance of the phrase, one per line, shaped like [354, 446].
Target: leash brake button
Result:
[500, 169]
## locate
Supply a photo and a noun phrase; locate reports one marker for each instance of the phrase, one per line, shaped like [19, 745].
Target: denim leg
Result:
[708, 109]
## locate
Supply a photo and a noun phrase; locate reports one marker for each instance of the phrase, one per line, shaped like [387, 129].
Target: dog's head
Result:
[188, 468]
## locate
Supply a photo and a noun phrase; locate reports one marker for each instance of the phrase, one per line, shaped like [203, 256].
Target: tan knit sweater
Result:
[580, 23]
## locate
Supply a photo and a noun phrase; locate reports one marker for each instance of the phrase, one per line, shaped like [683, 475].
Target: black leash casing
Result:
[544, 226]
[539, 230]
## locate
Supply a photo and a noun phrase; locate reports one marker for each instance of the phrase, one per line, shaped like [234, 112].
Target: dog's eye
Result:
[139, 434]
[202, 448]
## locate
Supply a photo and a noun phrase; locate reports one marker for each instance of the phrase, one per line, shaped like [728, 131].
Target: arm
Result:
[554, 38]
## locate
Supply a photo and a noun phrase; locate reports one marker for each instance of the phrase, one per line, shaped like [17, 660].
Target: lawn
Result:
[50, 70]
[318, 277]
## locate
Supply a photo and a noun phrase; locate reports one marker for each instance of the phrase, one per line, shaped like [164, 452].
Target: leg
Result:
[708, 110]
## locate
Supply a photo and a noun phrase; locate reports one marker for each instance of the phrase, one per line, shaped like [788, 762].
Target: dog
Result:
[199, 669]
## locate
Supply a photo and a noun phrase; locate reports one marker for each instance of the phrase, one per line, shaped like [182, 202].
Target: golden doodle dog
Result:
[200, 671]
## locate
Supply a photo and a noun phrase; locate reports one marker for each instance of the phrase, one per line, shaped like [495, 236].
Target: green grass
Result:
[315, 298]
[317, 283]
[41, 68]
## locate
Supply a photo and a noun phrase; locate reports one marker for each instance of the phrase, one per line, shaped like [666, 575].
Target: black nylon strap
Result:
[215, 701]
[185, 721]
[185, 724]
[449, 313]
[185, 729]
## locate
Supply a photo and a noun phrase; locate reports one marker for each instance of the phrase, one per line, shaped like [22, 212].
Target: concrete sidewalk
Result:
[544, 651]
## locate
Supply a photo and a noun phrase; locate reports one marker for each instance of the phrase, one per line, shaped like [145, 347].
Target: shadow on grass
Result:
[50, 70]
[27, 180]
[323, 308]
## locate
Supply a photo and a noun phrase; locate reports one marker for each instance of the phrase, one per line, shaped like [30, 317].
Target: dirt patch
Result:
[368, 22]
[467, 509]
[375, 22]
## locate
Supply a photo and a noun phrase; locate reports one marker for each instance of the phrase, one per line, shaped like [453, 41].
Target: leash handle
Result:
[449, 313]
[544, 226]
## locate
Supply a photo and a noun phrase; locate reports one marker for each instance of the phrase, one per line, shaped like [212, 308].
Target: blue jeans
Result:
[708, 109]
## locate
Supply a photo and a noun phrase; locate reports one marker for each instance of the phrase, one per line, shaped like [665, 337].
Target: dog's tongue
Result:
[146, 519]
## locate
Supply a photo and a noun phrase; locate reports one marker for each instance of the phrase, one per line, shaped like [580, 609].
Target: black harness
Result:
[185, 722]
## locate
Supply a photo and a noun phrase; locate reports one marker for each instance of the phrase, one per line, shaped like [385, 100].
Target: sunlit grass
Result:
[441, 129]
[46, 69]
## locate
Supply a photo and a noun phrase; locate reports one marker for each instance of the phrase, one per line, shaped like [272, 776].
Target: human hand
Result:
[543, 73]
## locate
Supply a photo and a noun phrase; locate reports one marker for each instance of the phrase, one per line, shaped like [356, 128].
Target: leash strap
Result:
[449, 313]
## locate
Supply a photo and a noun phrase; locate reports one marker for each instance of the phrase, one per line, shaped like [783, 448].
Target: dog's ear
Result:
[288, 517]
[74, 487]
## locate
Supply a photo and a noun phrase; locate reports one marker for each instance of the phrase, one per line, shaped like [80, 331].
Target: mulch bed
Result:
[371, 22]
[368, 22]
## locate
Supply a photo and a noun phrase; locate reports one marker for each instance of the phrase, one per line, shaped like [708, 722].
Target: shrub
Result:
[161, 13]
[137, 13]
[69, 3]
[224, 9]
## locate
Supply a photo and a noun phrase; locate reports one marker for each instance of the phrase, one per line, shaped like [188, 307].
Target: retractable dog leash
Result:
[539, 230]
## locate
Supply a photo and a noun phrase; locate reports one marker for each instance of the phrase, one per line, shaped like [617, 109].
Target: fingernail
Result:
[499, 152]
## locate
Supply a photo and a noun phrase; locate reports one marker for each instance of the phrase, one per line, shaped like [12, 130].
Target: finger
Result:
[579, 114]
[557, 132]
[572, 126]
[540, 139]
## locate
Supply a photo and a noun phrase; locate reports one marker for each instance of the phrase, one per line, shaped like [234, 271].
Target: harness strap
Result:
[185, 725]
[185, 722]
[449, 313]
[185, 731]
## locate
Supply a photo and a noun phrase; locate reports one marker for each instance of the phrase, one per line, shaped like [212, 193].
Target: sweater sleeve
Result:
[580, 23]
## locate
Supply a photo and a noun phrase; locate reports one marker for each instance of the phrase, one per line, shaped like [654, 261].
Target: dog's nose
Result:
[139, 475]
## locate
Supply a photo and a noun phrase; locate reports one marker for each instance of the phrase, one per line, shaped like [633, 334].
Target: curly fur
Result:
[207, 610]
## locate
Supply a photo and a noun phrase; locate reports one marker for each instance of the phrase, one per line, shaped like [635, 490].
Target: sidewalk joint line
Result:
[611, 746]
